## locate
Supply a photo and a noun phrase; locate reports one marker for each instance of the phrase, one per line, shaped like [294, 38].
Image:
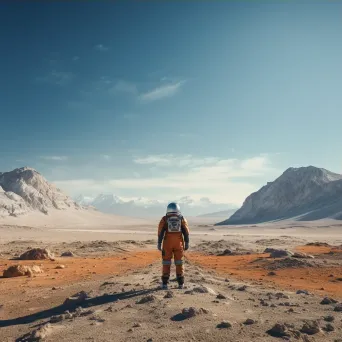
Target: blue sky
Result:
[164, 99]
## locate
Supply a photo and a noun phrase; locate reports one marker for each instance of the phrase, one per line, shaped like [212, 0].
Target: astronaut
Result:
[173, 240]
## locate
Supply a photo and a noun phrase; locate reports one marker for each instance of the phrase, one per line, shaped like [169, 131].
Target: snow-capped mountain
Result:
[25, 190]
[305, 193]
[144, 207]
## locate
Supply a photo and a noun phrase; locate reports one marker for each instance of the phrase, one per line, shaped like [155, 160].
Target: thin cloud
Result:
[106, 157]
[124, 87]
[55, 158]
[221, 180]
[75, 58]
[163, 91]
[101, 47]
[55, 77]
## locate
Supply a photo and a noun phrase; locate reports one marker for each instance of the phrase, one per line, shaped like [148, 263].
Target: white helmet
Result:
[173, 208]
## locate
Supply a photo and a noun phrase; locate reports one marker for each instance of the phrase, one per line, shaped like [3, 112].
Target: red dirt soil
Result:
[76, 269]
[316, 280]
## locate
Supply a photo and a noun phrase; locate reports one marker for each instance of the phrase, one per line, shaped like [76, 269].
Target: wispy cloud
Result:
[75, 58]
[55, 77]
[165, 90]
[122, 86]
[55, 158]
[101, 47]
[106, 157]
[166, 160]
[173, 176]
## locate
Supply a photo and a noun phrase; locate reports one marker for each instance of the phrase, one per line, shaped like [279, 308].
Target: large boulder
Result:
[280, 253]
[37, 254]
[21, 270]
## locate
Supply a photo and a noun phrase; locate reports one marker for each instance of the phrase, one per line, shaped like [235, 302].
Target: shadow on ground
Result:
[58, 310]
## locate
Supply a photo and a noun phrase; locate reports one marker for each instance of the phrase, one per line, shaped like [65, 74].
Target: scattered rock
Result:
[329, 327]
[302, 255]
[289, 263]
[41, 333]
[77, 298]
[310, 328]
[147, 299]
[279, 330]
[221, 296]
[280, 253]
[169, 294]
[338, 308]
[226, 252]
[60, 267]
[269, 250]
[242, 288]
[204, 289]
[37, 254]
[192, 311]
[327, 301]
[67, 254]
[272, 273]
[137, 325]
[224, 325]
[57, 319]
[249, 321]
[303, 292]
[21, 270]
[318, 244]
[329, 318]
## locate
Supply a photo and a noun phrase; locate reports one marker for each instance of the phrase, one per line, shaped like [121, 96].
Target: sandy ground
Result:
[118, 267]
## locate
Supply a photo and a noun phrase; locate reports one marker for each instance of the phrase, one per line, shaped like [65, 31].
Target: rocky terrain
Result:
[304, 194]
[25, 190]
[105, 291]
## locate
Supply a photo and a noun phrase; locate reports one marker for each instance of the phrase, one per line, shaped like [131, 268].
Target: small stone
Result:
[60, 267]
[169, 294]
[272, 273]
[137, 325]
[242, 288]
[221, 296]
[224, 325]
[249, 321]
[338, 308]
[329, 327]
[329, 318]
[147, 299]
[68, 254]
[327, 301]
[310, 328]
[303, 292]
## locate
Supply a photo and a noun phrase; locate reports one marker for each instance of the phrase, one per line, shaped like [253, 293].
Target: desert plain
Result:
[101, 281]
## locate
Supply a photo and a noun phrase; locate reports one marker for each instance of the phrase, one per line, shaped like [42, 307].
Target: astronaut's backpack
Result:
[174, 223]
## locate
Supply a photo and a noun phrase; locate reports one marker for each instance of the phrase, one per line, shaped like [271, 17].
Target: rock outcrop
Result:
[25, 190]
[306, 193]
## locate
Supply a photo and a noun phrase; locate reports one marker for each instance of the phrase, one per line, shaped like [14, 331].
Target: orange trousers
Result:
[173, 248]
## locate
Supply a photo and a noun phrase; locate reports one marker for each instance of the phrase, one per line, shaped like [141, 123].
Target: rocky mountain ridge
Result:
[305, 193]
[24, 190]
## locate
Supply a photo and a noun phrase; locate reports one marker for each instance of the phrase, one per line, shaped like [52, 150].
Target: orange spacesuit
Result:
[173, 239]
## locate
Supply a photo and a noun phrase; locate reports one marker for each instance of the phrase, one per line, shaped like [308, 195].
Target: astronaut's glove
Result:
[186, 246]
[159, 246]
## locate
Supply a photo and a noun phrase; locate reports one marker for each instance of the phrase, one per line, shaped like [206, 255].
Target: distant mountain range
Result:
[304, 194]
[142, 207]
